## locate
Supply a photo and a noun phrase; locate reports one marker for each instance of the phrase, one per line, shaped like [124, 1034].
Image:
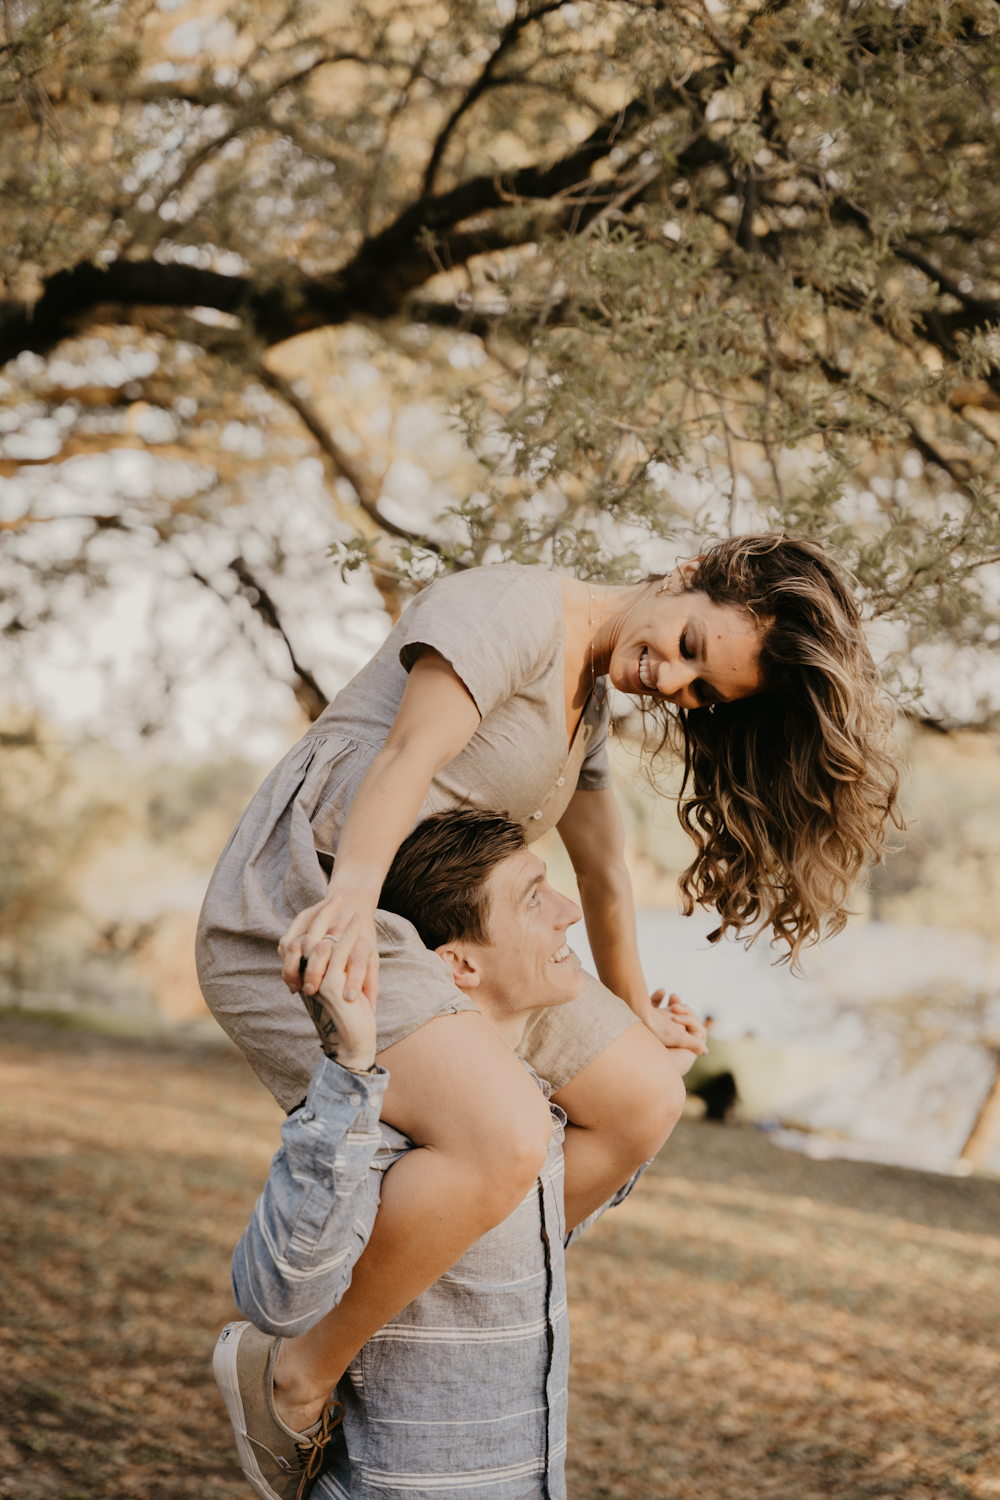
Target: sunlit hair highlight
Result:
[438, 878]
[787, 794]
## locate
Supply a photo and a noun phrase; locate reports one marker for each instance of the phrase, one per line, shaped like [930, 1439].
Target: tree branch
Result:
[307, 690]
[71, 295]
[374, 283]
[486, 80]
[722, 39]
[366, 492]
[939, 328]
[205, 95]
[309, 693]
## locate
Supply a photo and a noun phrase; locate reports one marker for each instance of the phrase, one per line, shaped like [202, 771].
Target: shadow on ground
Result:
[750, 1323]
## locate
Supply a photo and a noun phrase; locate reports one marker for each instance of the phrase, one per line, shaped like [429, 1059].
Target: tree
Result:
[729, 265]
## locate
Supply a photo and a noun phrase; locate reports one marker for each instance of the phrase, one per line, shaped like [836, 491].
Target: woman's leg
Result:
[482, 1129]
[621, 1108]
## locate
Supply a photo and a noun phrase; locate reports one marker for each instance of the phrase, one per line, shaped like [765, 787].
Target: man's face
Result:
[525, 962]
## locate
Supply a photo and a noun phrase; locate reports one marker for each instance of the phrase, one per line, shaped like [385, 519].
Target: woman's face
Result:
[684, 648]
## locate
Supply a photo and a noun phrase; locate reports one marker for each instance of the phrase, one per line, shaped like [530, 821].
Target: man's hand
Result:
[676, 1025]
[346, 1028]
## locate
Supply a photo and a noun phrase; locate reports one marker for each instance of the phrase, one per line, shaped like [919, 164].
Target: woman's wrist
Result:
[637, 999]
[357, 896]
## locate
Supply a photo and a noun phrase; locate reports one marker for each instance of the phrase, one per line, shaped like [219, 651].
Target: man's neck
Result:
[509, 1026]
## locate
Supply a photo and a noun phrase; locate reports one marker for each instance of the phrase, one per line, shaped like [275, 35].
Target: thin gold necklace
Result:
[598, 700]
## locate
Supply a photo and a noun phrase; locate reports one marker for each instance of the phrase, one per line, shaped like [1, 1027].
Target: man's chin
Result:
[569, 989]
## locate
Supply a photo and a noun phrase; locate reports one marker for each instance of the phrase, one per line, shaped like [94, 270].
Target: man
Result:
[464, 1391]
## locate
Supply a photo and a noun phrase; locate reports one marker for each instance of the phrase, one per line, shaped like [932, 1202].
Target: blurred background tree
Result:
[49, 825]
[665, 268]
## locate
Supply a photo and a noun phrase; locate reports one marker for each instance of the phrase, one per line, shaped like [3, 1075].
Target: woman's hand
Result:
[346, 1028]
[675, 1024]
[308, 946]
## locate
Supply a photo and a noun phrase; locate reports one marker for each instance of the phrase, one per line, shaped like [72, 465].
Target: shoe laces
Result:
[312, 1450]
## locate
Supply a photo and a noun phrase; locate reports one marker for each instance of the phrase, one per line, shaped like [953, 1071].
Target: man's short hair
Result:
[437, 880]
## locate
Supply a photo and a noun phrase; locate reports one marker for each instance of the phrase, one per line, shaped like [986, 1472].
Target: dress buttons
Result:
[536, 815]
[354, 1098]
[561, 781]
[374, 1101]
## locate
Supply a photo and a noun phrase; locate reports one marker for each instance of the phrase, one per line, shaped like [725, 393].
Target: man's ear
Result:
[465, 971]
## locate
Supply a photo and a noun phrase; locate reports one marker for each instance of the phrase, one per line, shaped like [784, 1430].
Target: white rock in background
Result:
[908, 1018]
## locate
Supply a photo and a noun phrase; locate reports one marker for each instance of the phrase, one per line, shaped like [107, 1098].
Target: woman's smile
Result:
[684, 648]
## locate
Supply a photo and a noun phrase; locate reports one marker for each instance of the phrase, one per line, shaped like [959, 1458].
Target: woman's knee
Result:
[632, 1090]
[657, 1102]
[506, 1153]
[494, 1156]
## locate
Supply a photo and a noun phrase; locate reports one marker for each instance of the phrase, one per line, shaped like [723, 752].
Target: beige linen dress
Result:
[502, 629]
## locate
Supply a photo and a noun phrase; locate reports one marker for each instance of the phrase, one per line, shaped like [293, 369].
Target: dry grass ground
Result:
[749, 1324]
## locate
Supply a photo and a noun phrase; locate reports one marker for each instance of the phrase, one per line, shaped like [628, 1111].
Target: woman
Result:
[489, 692]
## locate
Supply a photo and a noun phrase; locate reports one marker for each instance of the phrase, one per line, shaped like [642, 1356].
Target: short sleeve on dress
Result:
[595, 772]
[496, 626]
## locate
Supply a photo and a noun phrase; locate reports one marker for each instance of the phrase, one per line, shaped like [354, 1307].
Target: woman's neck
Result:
[593, 614]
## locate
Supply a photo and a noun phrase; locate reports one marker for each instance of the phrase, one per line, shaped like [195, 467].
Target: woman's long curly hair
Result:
[787, 794]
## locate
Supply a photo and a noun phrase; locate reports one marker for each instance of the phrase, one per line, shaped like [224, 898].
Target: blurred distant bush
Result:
[105, 860]
[46, 830]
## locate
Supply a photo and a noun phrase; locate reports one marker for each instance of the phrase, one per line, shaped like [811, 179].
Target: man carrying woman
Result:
[465, 1390]
[490, 693]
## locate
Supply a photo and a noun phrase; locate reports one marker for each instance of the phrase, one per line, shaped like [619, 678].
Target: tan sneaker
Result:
[279, 1464]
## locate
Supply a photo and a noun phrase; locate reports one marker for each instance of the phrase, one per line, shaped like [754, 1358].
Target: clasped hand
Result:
[347, 1028]
[676, 1025]
[307, 947]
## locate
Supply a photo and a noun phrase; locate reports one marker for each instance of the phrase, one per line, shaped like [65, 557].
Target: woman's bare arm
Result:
[594, 835]
[436, 720]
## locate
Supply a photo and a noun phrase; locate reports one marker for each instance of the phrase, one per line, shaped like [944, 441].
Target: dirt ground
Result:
[749, 1324]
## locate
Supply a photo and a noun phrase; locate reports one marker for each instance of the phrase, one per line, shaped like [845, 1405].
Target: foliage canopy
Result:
[729, 265]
